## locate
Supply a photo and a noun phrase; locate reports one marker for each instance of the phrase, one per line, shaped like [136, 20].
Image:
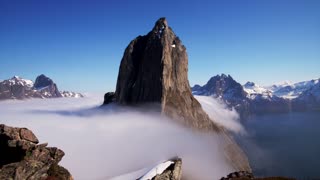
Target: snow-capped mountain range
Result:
[43, 87]
[286, 90]
[252, 98]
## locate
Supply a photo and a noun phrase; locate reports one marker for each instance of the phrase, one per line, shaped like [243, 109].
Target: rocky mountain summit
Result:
[252, 98]
[22, 157]
[44, 87]
[154, 70]
[226, 88]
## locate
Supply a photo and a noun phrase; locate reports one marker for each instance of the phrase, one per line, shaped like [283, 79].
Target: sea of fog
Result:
[121, 143]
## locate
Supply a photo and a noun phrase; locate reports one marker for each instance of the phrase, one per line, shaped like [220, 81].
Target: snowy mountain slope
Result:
[255, 91]
[293, 90]
[252, 98]
[16, 80]
[44, 87]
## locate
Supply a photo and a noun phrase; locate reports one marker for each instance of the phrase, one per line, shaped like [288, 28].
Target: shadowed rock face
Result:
[154, 69]
[22, 158]
[43, 82]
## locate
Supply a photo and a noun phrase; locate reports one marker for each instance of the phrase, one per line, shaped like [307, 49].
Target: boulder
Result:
[22, 157]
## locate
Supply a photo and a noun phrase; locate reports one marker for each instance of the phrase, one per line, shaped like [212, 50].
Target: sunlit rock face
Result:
[154, 69]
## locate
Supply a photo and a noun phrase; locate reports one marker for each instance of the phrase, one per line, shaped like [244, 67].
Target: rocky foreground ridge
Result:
[43, 87]
[23, 158]
[154, 70]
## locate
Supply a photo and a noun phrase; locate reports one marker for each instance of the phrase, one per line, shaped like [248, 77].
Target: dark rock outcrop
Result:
[243, 175]
[109, 98]
[238, 175]
[43, 83]
[154, 70]
[22, 157]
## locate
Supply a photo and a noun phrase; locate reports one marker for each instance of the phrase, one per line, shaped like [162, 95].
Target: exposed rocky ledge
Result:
[168, 170]
[22, 157]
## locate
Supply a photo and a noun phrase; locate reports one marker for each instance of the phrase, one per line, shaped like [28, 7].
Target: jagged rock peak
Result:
[249, 84]
[15, 77]
[161, 24]
[43, 81]
[154, 69]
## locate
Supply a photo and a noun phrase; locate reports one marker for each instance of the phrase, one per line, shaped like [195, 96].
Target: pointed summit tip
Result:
[15, 77]
[161, 23]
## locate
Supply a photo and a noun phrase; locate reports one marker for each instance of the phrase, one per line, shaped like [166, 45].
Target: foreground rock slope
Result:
[23, 158]
[154, 69]
[168, 170]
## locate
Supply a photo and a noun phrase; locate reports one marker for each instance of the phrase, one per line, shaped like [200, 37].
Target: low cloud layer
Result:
[101, 145]
[219, 113]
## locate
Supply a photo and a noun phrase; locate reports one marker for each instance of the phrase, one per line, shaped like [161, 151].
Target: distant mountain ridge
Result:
[43, 87]
[252, 98]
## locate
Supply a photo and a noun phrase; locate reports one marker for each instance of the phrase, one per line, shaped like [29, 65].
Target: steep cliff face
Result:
[154, 69]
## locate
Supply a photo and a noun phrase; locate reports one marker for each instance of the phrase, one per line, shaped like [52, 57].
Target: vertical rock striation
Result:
[154, 69]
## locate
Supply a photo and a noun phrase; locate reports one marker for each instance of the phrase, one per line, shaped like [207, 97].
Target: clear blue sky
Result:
[79, 44]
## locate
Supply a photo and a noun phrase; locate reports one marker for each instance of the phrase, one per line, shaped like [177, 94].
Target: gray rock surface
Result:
[154, 69]
[23, 158]
[173, 172]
